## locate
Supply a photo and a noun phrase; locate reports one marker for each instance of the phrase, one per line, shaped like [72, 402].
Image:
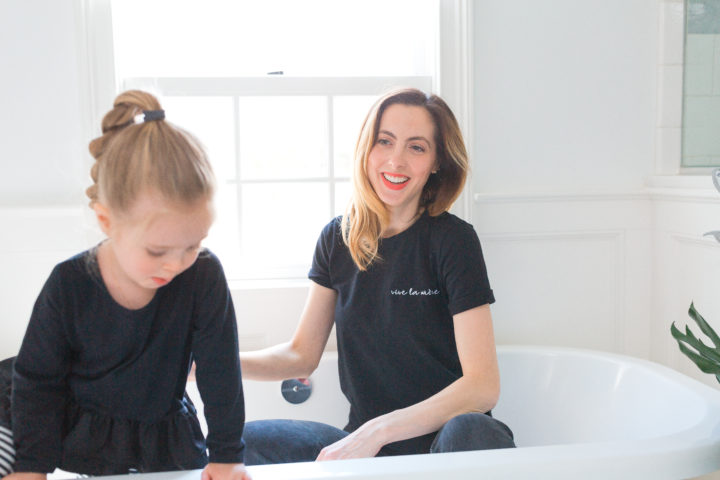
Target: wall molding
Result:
[574, 235]
[560, 197]
[695, 195]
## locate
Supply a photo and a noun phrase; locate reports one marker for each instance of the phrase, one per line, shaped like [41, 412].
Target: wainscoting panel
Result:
[570, 270]
[561, 289]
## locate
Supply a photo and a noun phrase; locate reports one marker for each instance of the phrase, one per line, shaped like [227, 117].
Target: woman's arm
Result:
[476, 391]
[300, 356]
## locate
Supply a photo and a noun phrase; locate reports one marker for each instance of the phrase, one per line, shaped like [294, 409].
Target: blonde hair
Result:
[367, 217]
[154, 155]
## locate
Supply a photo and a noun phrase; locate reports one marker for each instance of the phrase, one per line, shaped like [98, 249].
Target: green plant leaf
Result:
[704, 326]
[704, 356]
[696, 343]
[676, 333]
[707, 359]
[703, 364]
[704, 350]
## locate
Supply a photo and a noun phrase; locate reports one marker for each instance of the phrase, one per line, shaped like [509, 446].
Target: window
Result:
[701, 85]
[277, 91]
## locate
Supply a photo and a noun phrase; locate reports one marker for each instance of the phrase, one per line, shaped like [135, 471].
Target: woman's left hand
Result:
[362, 443]
[225, 471]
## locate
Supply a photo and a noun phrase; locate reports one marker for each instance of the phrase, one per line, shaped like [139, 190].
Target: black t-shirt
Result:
[83, 348]
[396, 343]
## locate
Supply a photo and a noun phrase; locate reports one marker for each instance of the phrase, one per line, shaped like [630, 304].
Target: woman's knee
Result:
[472, 431]
[286, 441]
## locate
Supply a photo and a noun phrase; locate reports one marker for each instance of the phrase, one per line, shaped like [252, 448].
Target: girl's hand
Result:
[222, 471]
[25, 476]
[362, 443]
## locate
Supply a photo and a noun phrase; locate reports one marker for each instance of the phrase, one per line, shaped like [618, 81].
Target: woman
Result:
[405, 283]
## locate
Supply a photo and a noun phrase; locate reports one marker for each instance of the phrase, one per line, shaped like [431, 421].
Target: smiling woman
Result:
[404, 283]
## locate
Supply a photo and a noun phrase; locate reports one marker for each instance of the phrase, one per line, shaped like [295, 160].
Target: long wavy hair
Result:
[367, 217]
[154, 155]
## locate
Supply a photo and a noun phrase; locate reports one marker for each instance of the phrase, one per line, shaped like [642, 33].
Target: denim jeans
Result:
[285, 441]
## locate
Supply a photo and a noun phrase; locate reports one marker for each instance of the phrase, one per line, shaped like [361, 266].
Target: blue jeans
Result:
[285, 441]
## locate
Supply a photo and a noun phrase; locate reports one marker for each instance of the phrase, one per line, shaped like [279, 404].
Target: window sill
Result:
[273, 284]
[694, 181]
[682, 187]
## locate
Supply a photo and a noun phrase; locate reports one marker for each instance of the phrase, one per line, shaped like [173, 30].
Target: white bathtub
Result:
[576, 414]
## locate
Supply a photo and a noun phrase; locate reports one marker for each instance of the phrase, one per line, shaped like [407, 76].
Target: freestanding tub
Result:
[576, 414]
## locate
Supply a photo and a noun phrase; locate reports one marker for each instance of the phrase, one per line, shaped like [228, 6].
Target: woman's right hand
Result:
[365, 442]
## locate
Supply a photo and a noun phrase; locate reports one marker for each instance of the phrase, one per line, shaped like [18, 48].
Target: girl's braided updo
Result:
[152, 155]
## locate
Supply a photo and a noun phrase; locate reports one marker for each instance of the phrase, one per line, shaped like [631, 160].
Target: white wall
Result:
[33, 241]
[564, 95]
[570, 270]
[44, 162]
[565, 109]
[591, 237]
[41, 126]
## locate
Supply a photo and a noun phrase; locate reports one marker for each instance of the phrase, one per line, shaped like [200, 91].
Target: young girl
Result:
[405, 284]
[99, 382]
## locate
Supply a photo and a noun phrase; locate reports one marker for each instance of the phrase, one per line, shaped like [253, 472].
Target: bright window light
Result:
[189, 38]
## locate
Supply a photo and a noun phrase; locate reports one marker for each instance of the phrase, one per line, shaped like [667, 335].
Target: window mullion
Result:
[331, 152]
[238, 170]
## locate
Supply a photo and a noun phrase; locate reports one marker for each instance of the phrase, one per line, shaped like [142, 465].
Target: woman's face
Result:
[403, 157]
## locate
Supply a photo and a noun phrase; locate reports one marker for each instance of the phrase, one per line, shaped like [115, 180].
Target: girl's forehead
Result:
[154, 214]
[177, 228]
[150, 203]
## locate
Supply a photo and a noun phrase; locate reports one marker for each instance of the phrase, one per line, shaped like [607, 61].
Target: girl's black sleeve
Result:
[40, 392]
[216, 353]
